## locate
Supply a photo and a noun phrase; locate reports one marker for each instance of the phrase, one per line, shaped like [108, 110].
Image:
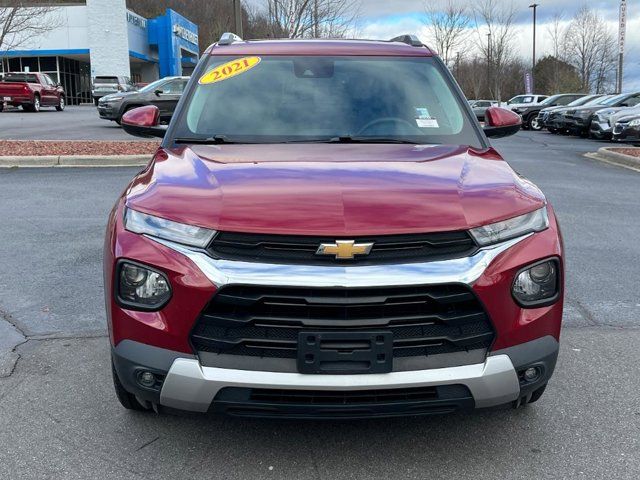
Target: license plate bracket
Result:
[343, 353]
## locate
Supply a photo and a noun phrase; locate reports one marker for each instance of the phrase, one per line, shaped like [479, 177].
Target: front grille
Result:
[265, 321]
[299, 249]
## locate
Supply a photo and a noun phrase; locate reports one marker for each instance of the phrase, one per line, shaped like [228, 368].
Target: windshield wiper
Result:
[215, 140]
[352, 139]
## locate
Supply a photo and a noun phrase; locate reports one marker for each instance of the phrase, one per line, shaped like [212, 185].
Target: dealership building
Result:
[102, 37]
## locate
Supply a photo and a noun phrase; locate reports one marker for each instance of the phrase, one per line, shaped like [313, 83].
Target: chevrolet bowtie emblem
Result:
[345, 249]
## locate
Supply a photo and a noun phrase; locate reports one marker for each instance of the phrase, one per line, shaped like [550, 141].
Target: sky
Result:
[385, 19]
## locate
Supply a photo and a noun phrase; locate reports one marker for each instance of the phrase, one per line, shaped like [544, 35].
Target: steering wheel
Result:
[380, 121]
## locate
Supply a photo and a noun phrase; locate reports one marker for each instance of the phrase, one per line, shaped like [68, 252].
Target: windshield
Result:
[153, 85]
[274, 99]
[586, 100]
[615, 99]
[550, 100]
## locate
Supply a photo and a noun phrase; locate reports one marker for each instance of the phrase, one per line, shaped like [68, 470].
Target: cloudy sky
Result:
[387, 18]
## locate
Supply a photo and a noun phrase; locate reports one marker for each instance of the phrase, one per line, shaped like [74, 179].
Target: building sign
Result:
[623, 25]
[136, 20]
[185, 34]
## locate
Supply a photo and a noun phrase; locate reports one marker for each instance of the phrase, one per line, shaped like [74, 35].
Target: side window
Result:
[49, 80]
[174, 88]
[633, 101]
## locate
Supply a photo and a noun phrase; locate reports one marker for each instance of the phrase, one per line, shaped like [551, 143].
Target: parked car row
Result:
[603, 117]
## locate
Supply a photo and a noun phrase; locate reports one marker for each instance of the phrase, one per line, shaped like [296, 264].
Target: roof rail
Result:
[229, 38]
[412, 40]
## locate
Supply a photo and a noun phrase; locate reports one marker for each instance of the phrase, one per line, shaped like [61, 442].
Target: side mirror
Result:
[158, 92]
[144, 122]
[500, 122]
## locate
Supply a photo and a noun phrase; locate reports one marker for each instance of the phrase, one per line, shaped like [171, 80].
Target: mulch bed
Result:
[53, 147]
[634, 152]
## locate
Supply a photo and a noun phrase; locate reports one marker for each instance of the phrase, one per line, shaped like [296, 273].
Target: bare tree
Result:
[20, 24]
[590, 47]
[448, 23]
[312, 18]
[495, 39]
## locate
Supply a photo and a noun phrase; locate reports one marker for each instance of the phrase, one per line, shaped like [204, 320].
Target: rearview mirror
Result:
[144, 122]
[500, 122]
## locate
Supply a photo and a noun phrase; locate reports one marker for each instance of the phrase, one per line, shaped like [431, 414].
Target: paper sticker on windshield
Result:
[427, 123]
[229, 70]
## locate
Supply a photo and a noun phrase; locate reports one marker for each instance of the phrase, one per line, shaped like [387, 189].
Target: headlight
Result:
[535, 221]
[635, 123]
[538, 284]
[140, 287]
[142, 223]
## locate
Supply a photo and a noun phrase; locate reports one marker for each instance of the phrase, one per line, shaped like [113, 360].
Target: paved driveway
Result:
[59, 417]
[75, 123]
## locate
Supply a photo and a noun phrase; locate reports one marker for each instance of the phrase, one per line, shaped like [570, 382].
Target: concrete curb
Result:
[76, 161]
[605, 154]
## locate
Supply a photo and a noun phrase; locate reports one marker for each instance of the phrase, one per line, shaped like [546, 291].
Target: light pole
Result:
[237, 15]
[535, 8]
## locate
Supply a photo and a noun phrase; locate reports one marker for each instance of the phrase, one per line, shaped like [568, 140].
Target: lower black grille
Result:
[347, 404]
[265, 322]
[290, 249]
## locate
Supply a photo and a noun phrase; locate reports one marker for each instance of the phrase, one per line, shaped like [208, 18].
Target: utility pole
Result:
[535, 8]
[621, 39]
[237, 15]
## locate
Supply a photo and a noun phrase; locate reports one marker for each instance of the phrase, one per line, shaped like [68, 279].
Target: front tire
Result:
[36, 104]
[533, 123]
[61, 105]
[126, 399]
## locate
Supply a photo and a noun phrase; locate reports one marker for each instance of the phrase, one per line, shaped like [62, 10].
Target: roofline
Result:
[229, 39]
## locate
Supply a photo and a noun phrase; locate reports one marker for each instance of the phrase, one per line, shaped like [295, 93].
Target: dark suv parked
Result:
[163, 93]
[530, 114]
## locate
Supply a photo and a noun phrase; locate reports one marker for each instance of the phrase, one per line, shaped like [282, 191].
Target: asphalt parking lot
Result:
[59, 417]
[75, 123]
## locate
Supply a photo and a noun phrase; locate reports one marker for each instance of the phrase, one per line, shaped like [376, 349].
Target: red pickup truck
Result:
[31, 91]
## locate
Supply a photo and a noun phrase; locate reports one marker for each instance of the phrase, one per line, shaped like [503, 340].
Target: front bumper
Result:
[188, 386]
[627, 135]
[600, 130]
[109, 111]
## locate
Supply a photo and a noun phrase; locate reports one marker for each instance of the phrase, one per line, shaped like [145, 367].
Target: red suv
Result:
[326, 232]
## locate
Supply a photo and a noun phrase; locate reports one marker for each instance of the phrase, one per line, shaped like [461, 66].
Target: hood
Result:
[118, 95]
[322, 189]
[624, 113]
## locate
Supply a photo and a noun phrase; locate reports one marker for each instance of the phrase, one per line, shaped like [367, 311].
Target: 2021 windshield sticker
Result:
[229, 70]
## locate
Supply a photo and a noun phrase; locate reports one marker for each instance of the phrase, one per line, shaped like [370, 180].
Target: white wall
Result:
[70, 31]
[109, 37]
